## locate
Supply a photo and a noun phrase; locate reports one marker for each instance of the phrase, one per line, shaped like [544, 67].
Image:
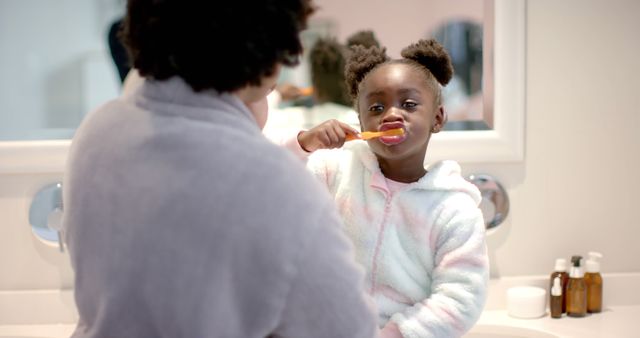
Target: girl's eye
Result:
[409, 104]
[376, 108]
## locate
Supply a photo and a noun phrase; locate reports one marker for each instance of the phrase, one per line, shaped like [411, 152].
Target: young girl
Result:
[418, 231]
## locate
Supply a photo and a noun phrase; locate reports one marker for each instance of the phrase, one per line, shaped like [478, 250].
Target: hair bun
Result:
[360, 62]
[432, 56]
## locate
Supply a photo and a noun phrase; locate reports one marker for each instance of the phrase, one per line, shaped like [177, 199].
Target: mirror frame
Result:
[504, 143]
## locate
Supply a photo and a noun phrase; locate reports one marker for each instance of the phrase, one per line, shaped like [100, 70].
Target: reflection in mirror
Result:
[463, 96]
[58, 67]
[461, 26]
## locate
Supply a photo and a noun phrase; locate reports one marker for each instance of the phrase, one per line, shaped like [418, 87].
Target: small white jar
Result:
[526, 302]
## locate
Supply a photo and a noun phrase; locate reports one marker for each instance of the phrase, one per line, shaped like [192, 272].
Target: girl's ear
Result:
[440, 119]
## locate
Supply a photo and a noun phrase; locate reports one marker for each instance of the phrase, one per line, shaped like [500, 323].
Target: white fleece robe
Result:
[423, 247]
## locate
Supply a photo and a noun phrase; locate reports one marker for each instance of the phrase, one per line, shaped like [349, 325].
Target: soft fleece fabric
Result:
[423, 247]
[183, 220]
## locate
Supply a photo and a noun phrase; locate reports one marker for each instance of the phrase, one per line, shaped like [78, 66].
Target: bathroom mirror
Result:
[459, 26]
[57, 68]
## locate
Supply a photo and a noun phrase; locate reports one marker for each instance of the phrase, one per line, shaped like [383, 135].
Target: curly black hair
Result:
[366, 38]
[427, 56]
[327, 58]
[221, 45]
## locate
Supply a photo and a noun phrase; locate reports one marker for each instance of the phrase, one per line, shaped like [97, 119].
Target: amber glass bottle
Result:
[556, 297]
[576, 290]
[593, 280]
[560, 270]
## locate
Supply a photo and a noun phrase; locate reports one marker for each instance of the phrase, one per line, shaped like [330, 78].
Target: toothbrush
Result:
[365, 135]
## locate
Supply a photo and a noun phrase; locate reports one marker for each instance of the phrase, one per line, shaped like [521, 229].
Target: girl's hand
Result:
[390, 330]
[288, 91]
[327, 135]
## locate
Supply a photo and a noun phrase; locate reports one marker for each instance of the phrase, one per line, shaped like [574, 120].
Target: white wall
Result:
[26, 262]
[575, 191]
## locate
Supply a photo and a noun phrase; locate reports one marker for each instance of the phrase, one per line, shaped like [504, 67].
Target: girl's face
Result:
[397, 96]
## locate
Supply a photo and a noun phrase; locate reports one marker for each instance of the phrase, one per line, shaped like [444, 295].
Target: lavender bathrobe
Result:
[182, 220]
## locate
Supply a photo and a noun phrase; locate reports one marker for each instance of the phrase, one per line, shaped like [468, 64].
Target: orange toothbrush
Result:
[365, 135]
[306, 91]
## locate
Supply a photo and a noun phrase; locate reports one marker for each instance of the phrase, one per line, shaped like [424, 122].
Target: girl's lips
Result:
[392, 140]
[391, 125]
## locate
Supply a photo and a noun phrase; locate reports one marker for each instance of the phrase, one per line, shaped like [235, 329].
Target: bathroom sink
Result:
[39, 335]
[37, 331]
[11, 336]
[499, 331]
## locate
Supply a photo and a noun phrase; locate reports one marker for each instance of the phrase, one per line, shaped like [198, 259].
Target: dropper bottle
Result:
[555, 302]
[560, 270]
[576, 290]
[593, 280]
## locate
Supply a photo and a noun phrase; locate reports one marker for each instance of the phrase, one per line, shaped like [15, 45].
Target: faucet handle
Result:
[46, 213]
[495, 200]
[54, 222]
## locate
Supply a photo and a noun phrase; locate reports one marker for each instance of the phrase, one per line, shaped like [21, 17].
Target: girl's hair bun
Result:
[361, 61]
[432, 56]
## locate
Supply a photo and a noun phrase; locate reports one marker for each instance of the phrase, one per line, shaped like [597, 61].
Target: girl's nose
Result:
[393, 115]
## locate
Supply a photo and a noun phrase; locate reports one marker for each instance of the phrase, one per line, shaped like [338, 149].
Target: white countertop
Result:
[51, 313]
[613, 321]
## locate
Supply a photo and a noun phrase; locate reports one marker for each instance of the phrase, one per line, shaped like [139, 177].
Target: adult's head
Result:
[220, 45]
[365, 38]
